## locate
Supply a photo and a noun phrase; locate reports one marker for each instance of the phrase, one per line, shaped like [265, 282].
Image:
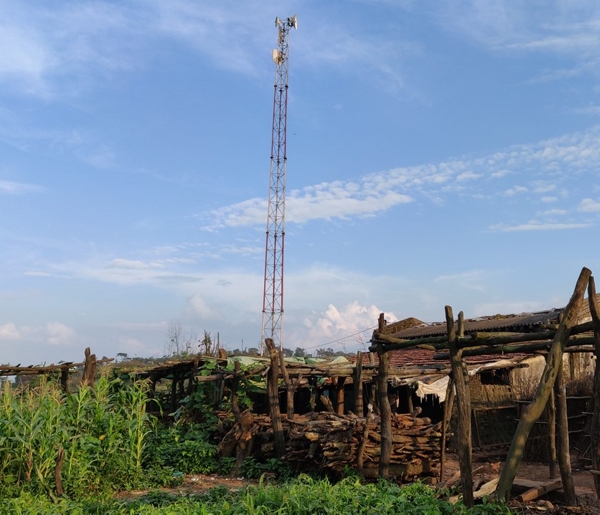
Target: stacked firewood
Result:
[334, 442]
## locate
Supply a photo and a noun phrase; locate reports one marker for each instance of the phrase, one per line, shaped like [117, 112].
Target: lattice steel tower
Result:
[272, 314]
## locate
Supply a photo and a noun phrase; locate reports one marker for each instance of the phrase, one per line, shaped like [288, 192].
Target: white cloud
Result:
[126, 264]
[542, 187]
[196, 306]
[352, 323]
[471, 280]
[54, 333]
[552, 212]
[59, 334]
[17, 188]
[323, 201]
[535, 225]
[561, 158]
[467, 176]
[589, 205]
[515, 190]
[9, 332]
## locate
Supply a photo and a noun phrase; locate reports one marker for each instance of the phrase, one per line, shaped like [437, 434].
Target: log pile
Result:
[332, 443]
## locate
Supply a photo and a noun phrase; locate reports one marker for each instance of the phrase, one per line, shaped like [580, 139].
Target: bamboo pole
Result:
[533, 410]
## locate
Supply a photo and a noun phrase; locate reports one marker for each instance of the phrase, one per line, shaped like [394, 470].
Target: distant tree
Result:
[300, 352]
[179, 343]
[287, 353]
[253, 351]
[121, 356]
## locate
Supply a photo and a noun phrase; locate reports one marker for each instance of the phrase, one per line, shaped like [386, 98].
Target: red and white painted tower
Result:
[272, 317]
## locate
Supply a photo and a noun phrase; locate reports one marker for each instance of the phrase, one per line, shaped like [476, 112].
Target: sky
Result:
[440, 152]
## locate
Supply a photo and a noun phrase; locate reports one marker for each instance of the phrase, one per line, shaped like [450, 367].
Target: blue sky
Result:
[439, 152]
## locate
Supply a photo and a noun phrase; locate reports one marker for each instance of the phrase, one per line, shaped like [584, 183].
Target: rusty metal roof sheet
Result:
[491, 323]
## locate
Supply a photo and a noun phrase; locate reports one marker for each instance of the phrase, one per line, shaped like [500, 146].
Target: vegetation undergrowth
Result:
[302, 495]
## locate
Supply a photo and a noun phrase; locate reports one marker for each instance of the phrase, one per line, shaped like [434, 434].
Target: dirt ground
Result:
[553, 502]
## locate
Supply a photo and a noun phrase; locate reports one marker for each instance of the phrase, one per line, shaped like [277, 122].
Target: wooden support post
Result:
[340, 397]
[360, 458]
[553, 464]
[460, 376]
[235, 383]
[291, 385]
[533, 410]
[273, 390]
[564, 456]
[89, 368]
[64, 378]
[595, 427]
[448, 404]
[476, 426]
[385, 412]
[174, 394]
[358, 386]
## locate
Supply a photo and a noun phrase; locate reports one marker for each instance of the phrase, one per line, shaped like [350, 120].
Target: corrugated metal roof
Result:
[491, 323]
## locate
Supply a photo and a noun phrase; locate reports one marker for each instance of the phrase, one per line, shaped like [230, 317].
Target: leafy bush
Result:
[181, 448]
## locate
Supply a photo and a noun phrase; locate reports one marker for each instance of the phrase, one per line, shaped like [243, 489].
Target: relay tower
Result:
[272, 314]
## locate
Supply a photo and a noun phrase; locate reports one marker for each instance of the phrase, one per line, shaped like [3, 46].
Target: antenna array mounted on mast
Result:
[272, 314]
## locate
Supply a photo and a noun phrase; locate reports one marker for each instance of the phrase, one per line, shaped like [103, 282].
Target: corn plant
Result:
[100, 432]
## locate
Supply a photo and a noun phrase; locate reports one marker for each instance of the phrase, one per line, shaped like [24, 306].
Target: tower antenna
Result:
[272, 313]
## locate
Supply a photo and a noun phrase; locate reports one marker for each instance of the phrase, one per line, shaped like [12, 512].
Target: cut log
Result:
[538, 491]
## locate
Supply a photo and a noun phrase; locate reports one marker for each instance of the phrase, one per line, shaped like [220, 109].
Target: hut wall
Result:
[524, 381]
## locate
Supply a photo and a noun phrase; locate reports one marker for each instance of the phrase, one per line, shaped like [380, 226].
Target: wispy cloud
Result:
[568, 30]
[58, 49]
[324, 201]
[535, 225]
[561, 159]
[17, 188]
[589, 205]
